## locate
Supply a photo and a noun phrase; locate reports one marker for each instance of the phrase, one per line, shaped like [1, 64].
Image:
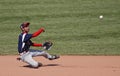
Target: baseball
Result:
[101, 16]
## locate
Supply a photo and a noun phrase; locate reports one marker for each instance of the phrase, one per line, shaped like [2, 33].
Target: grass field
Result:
[73, 25]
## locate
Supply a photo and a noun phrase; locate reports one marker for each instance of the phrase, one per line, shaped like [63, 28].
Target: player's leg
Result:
[44, 53]
[28, 59]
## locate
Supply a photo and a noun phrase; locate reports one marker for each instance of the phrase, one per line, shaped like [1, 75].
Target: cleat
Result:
[54, 57]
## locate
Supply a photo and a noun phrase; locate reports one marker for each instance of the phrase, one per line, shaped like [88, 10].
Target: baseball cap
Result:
[25, 24]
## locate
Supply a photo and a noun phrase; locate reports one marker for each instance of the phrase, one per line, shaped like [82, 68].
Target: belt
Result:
[23, 53]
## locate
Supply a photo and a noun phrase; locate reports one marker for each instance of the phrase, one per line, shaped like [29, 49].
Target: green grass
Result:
[73, 25]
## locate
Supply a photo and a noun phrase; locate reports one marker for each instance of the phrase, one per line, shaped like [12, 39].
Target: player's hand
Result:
[42, 29]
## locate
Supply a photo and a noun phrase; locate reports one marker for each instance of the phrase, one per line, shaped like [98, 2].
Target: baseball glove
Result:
[47, 45]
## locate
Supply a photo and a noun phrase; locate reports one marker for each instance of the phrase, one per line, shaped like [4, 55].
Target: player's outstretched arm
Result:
[37, 45]
[35, 34]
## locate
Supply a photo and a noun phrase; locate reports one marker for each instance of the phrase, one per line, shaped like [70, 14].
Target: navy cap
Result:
[25, 24]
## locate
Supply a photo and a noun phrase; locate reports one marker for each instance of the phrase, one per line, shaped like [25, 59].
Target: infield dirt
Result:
[65, 66]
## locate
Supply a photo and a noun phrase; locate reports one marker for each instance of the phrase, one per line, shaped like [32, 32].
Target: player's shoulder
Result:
[26, 35]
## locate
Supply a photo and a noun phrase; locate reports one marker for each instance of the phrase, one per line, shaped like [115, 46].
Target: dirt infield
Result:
[65, 66]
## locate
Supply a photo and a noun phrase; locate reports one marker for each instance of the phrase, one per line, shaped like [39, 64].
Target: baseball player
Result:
[24, 44]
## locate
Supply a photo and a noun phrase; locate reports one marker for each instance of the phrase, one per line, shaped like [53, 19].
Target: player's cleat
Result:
[18, 59]
[54, 57]
[40, 64]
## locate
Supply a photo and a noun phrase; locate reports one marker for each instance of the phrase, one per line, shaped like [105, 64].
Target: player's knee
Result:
[36, 65]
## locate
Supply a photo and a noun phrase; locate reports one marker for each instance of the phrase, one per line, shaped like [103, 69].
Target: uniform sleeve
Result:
[38, 32]
[37, 45]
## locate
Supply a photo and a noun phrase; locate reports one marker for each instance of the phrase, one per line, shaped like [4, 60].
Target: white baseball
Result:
[101, 16]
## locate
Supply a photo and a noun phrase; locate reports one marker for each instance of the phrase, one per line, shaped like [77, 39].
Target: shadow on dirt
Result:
[47, 65]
